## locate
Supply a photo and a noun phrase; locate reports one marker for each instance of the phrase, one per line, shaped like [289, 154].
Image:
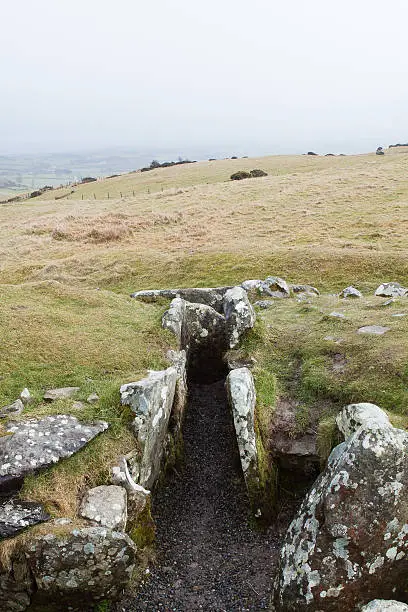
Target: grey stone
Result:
[333, 339]
[277, 287]
[16, 515]
[57, 394]
[239, 314]
[391, 290]
[174, 317]
[78, 405]
[253, 285]
[348, 543]
[399, 315]
[354, 415]
[242, 398]
[305, 290]
[385, 605]
[337, 315]
[106, 505]
[151, 400]
[375, 330]
[26, 396]
[35, 444]
[13, 409]
[264, 304]
[211, 296]
[351, 292]
[93, 398]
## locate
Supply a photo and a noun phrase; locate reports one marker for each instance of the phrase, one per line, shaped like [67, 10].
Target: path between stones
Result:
[209, 558]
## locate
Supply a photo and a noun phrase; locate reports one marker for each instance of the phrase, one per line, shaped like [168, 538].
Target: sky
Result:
[257, 77]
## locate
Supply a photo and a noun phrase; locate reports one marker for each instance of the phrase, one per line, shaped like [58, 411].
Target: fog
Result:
[260, 77]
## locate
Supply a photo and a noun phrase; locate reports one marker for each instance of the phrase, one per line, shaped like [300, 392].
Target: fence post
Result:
[120, 193]
[108, 195]
[94, 196]
[82, 196]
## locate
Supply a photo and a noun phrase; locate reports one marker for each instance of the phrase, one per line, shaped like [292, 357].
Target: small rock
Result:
[78, 405]
[337, 315]
[376, 330]
[63, 393]
[399, 314]
[388, 302]
[333, 339]
[26, 396]
[16, 515]
[305, 289]
[264, 304]
[106, 505]
[277, 287]
[351, 292]
[93, 398]
[385, 605]
[13, 409]
[390, 290]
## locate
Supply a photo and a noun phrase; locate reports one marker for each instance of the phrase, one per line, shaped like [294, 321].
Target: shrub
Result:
[238, 176]
[256, 173]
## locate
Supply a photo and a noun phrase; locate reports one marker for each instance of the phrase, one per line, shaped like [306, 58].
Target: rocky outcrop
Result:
[385, 605]
[35, 444]
[242, 399]
[348, 542]
[16, 515]
[151, 400]
[391, 290]
[239, 314]
[350, 292]
[106, 505]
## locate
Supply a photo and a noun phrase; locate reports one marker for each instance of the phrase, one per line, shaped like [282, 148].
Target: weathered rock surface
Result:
[13, 409]
[350, 292]
[63, 393]
[80, 568]
[391, 290]
[151, 400]
[16, 515]
[242, 398]
[106, 505]
[348, 542]
[305, 290]
[211, 296]
[264, 304]
[374, 330]
[385, 605]
[173, 317]
[336, 315]
[239, 314]
[277, 287]
[354, 415]
[35, 444]
[93, 398]
[25, 396]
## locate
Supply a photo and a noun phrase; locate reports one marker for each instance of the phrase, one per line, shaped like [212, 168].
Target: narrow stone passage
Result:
[209, 557]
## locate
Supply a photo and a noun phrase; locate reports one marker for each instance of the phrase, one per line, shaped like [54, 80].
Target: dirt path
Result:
[209, 557]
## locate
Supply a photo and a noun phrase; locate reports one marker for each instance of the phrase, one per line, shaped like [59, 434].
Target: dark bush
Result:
[312, 153]
[255, 173]
[238, 176]
[89, 179]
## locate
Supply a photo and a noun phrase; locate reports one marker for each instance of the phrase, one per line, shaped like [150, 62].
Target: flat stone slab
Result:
[16, 515]
[106, 505]
[63, 393]
[375, 330]
[36, 444]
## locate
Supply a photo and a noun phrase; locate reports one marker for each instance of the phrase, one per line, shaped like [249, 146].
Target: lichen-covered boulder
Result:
[391, 290]
[304, 290]
[277, 287]
[81, 567]
[354, 415]
[173, 317]
[151, 399]
[242, 399]
[385, 605]
[211, 296]
[350, 293]
[16, 515]
[35, 444]
[106, 505]
[239, 314]
[348, 542]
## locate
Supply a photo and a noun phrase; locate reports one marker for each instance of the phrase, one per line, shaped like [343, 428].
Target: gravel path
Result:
[208, 556]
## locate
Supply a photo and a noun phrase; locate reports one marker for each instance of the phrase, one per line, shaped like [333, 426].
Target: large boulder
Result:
[391, 290]
[239, 314]
[151, 399]
[36, 444]
[348, 542]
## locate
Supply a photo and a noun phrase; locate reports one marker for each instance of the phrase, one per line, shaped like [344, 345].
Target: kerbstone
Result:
[106, 505]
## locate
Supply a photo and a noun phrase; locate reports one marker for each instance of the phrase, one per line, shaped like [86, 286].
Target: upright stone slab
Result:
[151, 400]
[36, 444]
[106, 505]
[239, 314]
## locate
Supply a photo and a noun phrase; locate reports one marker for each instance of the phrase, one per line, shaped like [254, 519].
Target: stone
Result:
[399, 315]
[36, 444]
[26, 396]
[305, 290]
[16, 515]
[277, 287]
[334, 339]
[210, 296]
[348, 543]
[239, 314]
[57, 394]
[178, 359]
[80, 568]
[264, 304]
[350, 292]
[242, 399]
[254, 284]
[385, 605]
[337, 315]
[375, 330]
[151, 399]
[390, 290]
[106, 505]
[13, 409]
[174, 317]
[354, 415]
[93, 398]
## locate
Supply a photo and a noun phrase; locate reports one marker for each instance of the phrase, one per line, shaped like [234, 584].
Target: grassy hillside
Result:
[68, 265]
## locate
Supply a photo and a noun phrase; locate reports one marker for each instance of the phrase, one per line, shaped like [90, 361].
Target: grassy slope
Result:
[67, 267]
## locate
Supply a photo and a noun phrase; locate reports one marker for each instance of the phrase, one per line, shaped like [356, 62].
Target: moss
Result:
[143, 530]
[328, 436]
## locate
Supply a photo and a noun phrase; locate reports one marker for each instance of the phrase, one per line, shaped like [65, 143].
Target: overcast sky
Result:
[264, 76]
